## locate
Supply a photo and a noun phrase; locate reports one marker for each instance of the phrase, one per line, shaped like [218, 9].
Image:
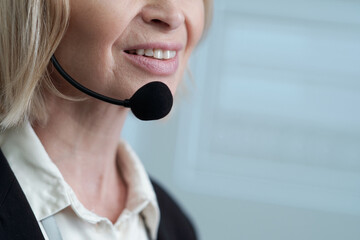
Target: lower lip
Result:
[155, 66]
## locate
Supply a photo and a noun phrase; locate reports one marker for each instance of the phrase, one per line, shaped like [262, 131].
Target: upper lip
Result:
[158, 45]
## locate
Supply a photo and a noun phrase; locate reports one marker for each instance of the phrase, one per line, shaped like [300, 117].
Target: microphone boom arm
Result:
[125, 103]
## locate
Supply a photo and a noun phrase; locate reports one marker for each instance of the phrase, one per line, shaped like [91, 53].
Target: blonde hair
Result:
[30, 32]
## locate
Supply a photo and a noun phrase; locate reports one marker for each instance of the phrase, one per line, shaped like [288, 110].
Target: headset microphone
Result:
[150, 102]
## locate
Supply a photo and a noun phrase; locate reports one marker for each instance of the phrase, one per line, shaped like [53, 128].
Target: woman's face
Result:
[116, 46]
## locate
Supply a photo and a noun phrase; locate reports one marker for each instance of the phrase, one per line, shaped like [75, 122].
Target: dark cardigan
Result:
[17, 221]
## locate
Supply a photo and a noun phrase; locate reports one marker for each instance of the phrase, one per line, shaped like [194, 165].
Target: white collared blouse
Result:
[50, 195]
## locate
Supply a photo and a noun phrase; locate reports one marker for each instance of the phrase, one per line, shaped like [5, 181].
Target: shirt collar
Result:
[47, 191]
[37, 175]
[140, 187]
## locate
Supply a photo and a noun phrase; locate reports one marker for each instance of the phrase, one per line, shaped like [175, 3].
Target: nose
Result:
[165, 14]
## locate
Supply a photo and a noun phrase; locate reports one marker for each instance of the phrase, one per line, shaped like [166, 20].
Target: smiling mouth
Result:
[153, 53]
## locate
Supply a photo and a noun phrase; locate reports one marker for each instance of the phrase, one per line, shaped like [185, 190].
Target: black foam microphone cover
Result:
[152, 101]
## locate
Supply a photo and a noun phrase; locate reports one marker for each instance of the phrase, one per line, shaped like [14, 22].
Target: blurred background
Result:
[264, 142]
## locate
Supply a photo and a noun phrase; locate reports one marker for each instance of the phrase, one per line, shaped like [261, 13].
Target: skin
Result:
[82, 137]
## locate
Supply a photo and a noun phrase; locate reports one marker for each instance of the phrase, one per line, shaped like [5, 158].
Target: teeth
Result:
[158, 54]
[140, 52]
[149, 52]
[166, 54]
[172, 54]
[155, 53]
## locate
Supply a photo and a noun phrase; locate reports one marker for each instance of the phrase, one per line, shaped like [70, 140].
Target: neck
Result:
[81, 138]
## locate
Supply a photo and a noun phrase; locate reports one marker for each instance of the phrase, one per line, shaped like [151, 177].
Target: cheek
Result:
[195, 15]
[95, 22]
[93, 29]
[199, 21]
